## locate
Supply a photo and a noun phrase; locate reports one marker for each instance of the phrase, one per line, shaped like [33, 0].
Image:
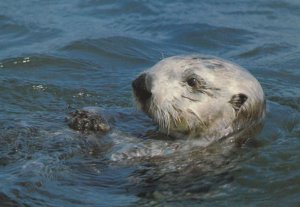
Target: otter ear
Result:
[238, 100]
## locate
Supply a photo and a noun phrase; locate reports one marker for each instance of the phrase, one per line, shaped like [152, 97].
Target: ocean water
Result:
[56, 56]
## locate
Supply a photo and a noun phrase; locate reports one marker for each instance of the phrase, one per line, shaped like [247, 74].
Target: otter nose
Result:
[139, 86]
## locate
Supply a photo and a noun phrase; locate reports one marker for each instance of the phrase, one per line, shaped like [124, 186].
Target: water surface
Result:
[59, 55]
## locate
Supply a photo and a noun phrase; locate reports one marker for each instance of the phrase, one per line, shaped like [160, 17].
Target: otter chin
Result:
[200, 97]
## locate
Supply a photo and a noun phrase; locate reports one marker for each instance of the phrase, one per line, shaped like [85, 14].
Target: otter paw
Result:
[86, 121]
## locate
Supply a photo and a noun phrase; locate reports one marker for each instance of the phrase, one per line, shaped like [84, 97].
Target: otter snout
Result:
[140, 89]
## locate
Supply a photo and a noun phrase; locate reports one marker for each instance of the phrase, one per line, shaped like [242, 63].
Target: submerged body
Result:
[200, 97]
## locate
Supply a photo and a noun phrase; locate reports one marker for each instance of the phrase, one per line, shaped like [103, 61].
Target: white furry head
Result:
[198, 96]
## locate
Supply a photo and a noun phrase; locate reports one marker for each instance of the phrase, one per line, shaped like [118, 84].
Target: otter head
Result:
[200, 97]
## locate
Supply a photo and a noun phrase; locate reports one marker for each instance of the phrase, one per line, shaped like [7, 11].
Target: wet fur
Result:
[226, 99]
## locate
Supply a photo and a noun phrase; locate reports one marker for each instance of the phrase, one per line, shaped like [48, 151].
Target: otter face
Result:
[201, 97]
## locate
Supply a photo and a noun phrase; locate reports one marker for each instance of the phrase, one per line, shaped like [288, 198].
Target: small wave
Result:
[9, 202]
[118, 48]
[17, 37]
[262, 50]
[209, 36]
[39, 61]
[292, 102]
[116, 8]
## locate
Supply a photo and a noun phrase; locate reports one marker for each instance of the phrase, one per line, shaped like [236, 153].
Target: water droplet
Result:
[26, 60]
[38, 87]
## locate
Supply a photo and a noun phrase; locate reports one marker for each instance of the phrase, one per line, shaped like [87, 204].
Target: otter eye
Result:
[192, 82]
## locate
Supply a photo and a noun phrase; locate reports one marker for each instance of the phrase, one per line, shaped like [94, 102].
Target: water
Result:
[57, 55]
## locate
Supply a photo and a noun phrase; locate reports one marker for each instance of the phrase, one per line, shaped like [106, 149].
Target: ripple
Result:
[116, 8]
[258, 12]
[39, 80]
[291, 7]
[260, 51]
[210, 37]
[41, 61]
[129, 51]
[8, 202]
[14, 35]
[293, 102]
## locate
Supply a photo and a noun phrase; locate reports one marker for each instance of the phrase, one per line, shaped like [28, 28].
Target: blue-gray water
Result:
[60, 54]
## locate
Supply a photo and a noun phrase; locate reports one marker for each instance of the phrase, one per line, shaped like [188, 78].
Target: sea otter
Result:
[200, 97]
